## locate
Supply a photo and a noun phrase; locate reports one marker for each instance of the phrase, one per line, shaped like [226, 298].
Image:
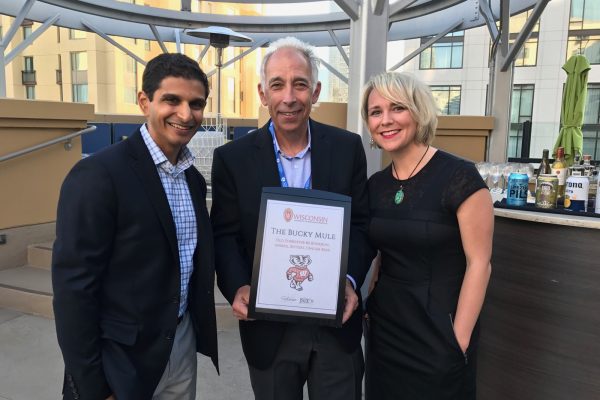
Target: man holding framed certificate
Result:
[293, 151]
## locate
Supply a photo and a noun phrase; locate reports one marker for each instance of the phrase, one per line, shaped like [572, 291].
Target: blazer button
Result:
[175, 299]
[75, 396]
[169, 335]
[69, 378]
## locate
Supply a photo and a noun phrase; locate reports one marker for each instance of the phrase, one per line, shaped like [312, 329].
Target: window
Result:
[527, 56]
[130, 77]
[80, 93]
[584, 30]
[79, 66]
[76, 34]
[26, 31]
[447, 99]
[147, 45]
[28, 64]
[445, 53]
[79, 61]
[28, 74]
[30, 92]
[591, 122]
[521, 111]
[0, 32]
[587, 45]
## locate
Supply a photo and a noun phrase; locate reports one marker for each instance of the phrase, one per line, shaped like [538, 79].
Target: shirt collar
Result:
[185, 159]
[299, 155]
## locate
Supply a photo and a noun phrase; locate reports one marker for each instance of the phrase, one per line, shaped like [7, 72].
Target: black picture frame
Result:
[311, 197]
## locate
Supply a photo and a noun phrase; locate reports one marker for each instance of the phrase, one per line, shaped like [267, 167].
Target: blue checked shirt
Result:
[182, 208]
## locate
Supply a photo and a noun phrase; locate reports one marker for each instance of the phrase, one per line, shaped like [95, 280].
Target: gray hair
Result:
[408, 91]
[291, 42]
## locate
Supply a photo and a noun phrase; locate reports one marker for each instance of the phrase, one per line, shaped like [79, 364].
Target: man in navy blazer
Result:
[283, 356]
[132, 267]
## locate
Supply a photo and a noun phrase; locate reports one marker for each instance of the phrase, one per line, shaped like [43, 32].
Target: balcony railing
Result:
[28, 77]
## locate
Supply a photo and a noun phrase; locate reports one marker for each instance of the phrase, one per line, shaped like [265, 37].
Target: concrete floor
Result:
[31, 365]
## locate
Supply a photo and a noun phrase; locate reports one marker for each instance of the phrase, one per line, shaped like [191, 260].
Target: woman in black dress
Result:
[432, 221]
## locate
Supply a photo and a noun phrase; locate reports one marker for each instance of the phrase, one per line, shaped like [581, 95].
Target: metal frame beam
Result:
[489, 19]
[339, 46]
[113, 42]
[239, 56]
[8, 36]
[158, 39]
[350, 7]
[504, 27]
[334, 71]
[399, 6]
[177, 39]
[30, 39]
[524, 34]
[427, 44]
[203, 52]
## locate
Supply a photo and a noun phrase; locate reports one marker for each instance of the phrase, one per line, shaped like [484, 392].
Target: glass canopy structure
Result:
[363, 26]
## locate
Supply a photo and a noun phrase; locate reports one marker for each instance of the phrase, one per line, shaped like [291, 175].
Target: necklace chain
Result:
[399, 196]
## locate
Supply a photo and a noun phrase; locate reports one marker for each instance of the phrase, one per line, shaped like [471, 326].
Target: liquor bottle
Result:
[589, 170]
[544, 165]
[587, 165]
[592, 198]
[559, 168]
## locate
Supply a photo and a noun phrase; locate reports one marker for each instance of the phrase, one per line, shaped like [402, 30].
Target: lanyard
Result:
[282, 178]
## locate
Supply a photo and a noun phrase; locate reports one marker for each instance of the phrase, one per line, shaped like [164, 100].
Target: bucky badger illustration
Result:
[299, 271]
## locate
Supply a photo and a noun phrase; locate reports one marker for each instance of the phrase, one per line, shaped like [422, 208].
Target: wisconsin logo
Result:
[288, 214]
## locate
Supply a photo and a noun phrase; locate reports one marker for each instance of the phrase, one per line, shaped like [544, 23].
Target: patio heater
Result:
[219, 38]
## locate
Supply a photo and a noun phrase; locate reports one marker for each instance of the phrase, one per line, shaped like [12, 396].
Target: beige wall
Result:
[30, 184]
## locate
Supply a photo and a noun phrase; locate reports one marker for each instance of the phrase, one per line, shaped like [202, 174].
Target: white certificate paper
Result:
[300, 258]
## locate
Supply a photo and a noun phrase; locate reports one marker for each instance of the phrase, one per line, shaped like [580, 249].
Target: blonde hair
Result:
[409, 92]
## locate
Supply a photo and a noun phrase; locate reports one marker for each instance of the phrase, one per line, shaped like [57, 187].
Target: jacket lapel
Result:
[144, 167]
[320, 157]
[264, 158]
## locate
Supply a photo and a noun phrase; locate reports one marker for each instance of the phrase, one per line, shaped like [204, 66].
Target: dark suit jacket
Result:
[240, 170]
[116, 274]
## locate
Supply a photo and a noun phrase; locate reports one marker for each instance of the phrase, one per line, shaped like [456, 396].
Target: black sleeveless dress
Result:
[412, 352]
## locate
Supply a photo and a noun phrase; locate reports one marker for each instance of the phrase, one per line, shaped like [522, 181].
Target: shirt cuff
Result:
[352, 281]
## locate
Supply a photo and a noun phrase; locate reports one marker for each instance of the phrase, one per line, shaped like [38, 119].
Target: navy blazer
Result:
[116, 274]
[240, 170]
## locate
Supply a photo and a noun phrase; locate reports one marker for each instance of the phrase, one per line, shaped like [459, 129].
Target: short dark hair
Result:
[171, 64]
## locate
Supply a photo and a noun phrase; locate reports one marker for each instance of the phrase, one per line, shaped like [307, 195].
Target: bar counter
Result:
[540, 326]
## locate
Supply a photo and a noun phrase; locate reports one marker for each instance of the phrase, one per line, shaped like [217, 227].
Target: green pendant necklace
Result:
[399, 197]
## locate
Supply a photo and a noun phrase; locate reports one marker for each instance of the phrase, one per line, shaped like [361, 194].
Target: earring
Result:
[372, 144]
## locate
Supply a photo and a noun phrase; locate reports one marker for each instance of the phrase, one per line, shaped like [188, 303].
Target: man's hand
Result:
[351, 302]
[240, 303]
[111, 397]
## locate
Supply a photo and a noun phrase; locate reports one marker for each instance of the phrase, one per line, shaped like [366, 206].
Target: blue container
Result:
[516, 195]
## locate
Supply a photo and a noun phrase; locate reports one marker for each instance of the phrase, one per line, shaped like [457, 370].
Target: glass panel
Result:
[592, 108]
[515, 105]
[454, 103]
[592, 49]
[79, 61]
[457, 52]
[591, 14]
[426, 59]
[80, 93]
[442, 54]
[576, 21]
[526, 103]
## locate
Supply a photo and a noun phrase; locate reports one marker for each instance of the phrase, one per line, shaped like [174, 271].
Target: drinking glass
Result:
[507, 169]
[484, 170]
[495, 174]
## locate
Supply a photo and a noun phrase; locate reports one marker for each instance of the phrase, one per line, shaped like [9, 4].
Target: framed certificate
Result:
[300, 261]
